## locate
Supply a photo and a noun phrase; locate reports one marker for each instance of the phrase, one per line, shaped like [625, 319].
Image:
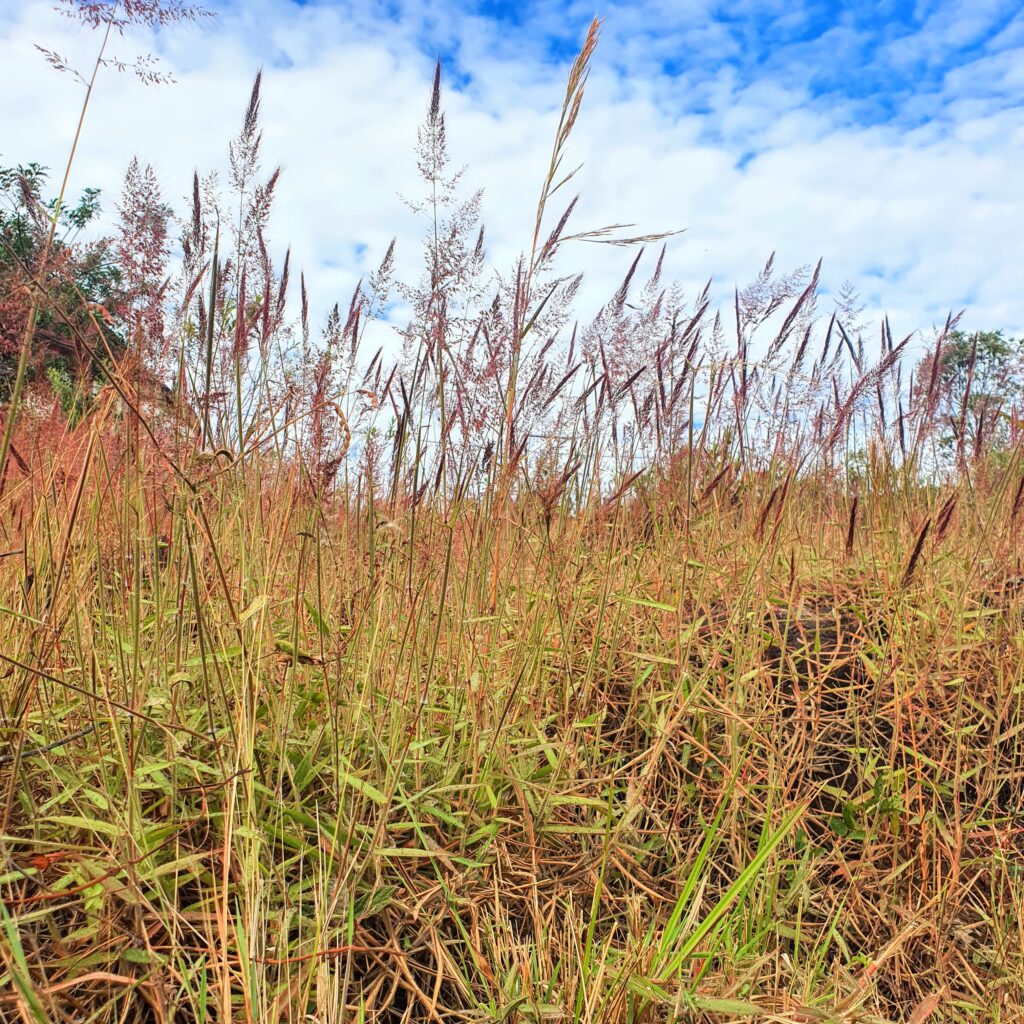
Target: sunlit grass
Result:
[310, 768]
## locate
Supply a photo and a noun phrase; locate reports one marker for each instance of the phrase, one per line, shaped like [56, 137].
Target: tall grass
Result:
[617, 674]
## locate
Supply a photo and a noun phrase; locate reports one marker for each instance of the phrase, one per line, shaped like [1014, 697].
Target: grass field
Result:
[653, 760]
[332, 696]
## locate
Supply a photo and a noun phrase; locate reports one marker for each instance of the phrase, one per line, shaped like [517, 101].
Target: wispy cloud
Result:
[886, 138]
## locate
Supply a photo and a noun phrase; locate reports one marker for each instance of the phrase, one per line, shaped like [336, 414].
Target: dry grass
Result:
[308, 768]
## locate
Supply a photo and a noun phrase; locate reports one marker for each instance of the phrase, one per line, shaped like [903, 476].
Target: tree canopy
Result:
[76, 274]
[975, 382]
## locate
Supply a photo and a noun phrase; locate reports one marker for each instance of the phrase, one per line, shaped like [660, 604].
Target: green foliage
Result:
[981, 380]
[23, 210]
[74, 400]
[76, 274]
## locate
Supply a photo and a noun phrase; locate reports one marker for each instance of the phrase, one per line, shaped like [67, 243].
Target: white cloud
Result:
[922, 218]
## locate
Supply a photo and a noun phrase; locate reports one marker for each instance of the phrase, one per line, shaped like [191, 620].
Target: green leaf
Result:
[746, 878]
[645, 602]
[316, 617]
[87, 824]
[288, 648]
[225, 654]
[256, 605]
[19, 968]
[361, 786]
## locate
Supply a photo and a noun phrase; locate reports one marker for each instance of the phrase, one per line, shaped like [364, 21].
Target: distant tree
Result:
[976, 392]
[77, 275]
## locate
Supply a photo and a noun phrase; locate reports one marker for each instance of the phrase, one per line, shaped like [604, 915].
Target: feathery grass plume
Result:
[142, 252]
[915, 555]
[211, 330]
[1018, 502]
[945, 517]
[118, 16]
[851, 529]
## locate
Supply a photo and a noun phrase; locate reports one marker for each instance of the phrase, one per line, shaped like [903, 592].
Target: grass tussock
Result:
[610, 674]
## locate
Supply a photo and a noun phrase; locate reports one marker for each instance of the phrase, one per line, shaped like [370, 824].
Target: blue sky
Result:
[889, 59]
[886, 137]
